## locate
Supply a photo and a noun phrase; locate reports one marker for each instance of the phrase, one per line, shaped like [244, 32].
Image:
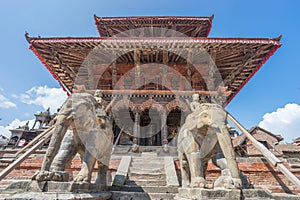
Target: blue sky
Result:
[25, 83]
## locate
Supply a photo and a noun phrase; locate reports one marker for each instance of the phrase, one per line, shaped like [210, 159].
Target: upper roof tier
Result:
[174, 26]
[236, 59]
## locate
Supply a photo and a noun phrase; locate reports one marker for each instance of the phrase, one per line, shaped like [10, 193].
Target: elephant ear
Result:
[96, 139]
[66, 108]
[191, 121]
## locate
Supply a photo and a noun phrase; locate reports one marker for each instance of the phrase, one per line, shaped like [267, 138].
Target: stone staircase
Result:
[8, 155]
[148, 177]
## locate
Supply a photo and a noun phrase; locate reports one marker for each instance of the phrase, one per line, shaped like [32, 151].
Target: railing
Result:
[267, 154]
[32, 147]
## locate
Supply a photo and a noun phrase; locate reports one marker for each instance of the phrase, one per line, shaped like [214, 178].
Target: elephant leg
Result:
[208, 148]
[101, 176]
[66, 153]
[191, 150]
[81, 153]
[184, 171]
[87, 167]
[196, 170]
[204, 168]
[219, 160]
[58, 134]
[227, 149]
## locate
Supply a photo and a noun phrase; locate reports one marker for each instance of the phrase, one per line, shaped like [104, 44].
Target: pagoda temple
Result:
[148, 68]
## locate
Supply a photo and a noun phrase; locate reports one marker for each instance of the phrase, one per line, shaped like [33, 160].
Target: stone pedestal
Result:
[59, 196]
[199, 193]
[222, 194]
[23, 190]
[73, 187]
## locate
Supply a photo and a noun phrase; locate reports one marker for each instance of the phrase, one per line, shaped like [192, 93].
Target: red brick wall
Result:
[261, 174]
[27, 169]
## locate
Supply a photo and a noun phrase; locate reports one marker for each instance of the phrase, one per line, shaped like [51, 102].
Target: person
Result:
[195, 103]
[98, 97]
[23, 142]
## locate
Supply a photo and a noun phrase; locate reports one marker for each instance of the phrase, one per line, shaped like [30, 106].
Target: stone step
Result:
[146, 176]
[143, 164]
[285, 196]
[56, 195]
[147, 159]
[3, 164]
[118, 195]
[149, 154]
[146, 182]
[7, 160]
[226, 198]
[8, 155]
[147, 189]
[147, 170]
[150, 158]
[146, 164]
[233, 194]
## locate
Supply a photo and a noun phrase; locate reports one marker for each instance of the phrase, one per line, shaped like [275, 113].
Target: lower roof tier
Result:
[214, 62]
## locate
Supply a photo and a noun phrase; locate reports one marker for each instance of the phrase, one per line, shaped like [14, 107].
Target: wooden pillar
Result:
[114, 75]
[90, 71]
[136, 58]
[188, 71]
[164, 129]
[210, 79]
[136, 128]
[150, 134]
[165, 68]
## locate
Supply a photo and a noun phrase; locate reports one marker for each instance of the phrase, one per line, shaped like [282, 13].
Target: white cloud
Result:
[45, 97]
[4, 130]
[5, 103]
[284, 121]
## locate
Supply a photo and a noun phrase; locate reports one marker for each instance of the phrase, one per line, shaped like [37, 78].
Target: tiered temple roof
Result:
[236, 59]
[188, 26]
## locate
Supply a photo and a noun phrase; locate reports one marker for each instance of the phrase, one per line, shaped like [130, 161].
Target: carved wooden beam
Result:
[159, 92]
[114, 74]
[68, 71]
[165, 67]
[164, 131]
[210, 80]
[136, 128]
[136, 58]
[247, 60]
[196, 31]
[189, 68]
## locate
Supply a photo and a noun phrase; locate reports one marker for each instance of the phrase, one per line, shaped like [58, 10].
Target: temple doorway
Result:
[175, 119]
[150, 131]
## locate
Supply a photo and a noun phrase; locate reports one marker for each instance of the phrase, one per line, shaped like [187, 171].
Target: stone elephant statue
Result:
[205, 136]
[83, 127]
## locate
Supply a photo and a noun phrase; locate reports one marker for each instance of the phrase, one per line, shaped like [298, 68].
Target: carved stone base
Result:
[51, 176]
[199, 193]
[221, 194]
[25, 190]
[53, 186]
[24, 186]
[73, 187]
[59, 196]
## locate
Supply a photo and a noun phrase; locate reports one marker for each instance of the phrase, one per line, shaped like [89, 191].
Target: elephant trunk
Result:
[58, 134]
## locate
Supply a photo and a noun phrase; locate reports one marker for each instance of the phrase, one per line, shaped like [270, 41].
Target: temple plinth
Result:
[152, 66]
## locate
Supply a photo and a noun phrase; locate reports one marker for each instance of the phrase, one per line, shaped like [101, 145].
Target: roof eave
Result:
[97, 19]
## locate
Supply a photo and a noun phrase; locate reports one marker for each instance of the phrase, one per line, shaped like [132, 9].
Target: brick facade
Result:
[261, 174]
